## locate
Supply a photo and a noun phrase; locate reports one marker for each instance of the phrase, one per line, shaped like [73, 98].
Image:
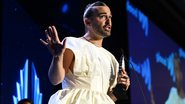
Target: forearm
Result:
[56, 71]
[112, 96]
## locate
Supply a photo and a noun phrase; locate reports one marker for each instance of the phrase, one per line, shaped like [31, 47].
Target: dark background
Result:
[24, 22]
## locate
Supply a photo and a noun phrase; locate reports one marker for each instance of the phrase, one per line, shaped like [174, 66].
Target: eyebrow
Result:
[103, 13]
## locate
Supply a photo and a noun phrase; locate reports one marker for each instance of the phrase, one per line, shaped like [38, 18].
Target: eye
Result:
[110, 17]
[103, 16]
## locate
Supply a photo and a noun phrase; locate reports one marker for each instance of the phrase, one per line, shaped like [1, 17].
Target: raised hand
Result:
[53, 42]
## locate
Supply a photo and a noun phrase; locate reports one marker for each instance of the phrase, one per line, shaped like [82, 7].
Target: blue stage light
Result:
[22, 86]
[64, 8]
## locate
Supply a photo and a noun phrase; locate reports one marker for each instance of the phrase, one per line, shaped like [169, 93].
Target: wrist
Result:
[112, 96]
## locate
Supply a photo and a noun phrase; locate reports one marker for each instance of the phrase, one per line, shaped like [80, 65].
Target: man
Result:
[25, 101]
[88, 72]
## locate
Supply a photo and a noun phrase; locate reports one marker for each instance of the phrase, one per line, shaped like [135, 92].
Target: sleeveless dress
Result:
[94, 73]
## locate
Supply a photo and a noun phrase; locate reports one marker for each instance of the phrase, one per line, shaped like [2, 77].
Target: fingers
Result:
[52, 42]
[123, 70]
[123, 79]
[51, 36]
[52, 32]
[124, 74]
[55, 34]
[43, 42]
[48, 39]
[49, 31]
[64, 43]
[124, 82]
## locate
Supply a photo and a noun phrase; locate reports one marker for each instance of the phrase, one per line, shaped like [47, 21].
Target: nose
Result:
[108, 20]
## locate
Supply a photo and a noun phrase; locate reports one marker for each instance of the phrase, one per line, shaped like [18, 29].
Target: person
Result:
[25, 101]
[176, 94]
[88, 71]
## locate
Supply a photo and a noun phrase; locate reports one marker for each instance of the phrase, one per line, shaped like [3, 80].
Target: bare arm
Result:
[112, 96]
[62, 57]
[56, 71]
[60, 65]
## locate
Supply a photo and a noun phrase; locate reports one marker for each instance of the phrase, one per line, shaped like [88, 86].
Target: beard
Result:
[99, 30]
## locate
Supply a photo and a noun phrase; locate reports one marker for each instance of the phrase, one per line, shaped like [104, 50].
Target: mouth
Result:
[107, 28]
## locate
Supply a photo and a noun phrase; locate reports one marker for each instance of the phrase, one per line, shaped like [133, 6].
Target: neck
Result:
[94, 40]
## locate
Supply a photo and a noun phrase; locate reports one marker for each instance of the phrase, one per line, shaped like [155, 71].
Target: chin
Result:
[107, 35]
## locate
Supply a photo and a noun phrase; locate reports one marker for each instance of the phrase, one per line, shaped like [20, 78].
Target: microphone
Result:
[119, 91]
[123, 94]
[121, 63]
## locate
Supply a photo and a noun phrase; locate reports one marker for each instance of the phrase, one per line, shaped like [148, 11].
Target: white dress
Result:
[95, 71]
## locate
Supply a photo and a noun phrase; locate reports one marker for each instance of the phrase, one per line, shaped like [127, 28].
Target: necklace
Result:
[91, 42]
[85, 38]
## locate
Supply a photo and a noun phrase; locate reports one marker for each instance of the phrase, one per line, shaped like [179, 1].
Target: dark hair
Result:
[23, 101]
[89, 8]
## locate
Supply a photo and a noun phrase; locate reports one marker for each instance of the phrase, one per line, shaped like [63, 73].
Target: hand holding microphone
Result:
[123, 81]
[123, 77]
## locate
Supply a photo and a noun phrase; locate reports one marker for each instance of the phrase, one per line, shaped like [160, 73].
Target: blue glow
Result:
[15, 100]
[22, 87]
[37, 96]
[25, 78]
[167, 62]
[21, 82]
[18, 91]
[139, 15]
[163, 56]
[181, 53]
[144, 70]
[64, 8]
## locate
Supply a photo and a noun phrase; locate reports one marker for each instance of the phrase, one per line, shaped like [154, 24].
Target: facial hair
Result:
[98, 29]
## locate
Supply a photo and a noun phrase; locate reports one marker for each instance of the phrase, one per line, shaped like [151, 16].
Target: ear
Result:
[87, 22]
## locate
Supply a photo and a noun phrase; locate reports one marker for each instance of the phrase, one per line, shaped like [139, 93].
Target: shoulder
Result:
[73, 42]
[72, 39]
